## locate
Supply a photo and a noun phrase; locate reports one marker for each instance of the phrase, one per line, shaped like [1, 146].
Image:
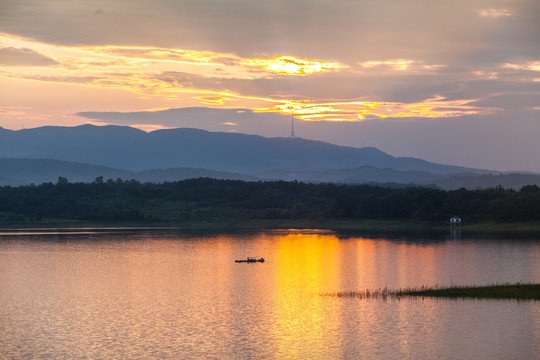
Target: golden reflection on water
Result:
[306, 264]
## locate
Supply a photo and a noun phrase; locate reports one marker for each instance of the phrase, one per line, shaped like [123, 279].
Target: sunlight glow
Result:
[314, 269]
[144, 127]
[289, 65]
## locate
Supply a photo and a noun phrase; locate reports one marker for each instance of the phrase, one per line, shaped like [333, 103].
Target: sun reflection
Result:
[307, 263]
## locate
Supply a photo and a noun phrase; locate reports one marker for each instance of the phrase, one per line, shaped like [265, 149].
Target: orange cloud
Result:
[161, 54]
[212, 99]
[283, 65]
[400, 65]
[360, 110]
[289, 65]
[199, 76]
[531, 65]
[396, 64]
[494, 13]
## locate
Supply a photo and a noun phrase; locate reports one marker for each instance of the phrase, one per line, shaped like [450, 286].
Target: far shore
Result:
[345, 225]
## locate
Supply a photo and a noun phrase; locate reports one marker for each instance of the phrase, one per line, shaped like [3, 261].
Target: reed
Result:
[518, 291]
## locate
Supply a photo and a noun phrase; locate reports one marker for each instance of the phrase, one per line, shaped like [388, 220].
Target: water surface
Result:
[174, 294]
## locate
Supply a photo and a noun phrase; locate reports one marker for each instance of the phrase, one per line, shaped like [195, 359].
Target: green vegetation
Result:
[210, 201]
[506, 291]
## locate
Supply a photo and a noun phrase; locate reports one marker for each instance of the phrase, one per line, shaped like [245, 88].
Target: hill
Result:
[16, 172]
[83, 153]
[127, 148]
[392, 177]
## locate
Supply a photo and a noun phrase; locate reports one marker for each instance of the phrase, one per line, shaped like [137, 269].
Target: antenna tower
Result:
[292, 125]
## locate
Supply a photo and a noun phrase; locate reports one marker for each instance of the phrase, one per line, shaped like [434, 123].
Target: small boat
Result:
[250, 260]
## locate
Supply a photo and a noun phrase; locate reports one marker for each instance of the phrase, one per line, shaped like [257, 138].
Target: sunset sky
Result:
[454, 82]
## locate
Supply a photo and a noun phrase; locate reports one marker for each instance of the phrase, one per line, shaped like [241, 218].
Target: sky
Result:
[453, 82]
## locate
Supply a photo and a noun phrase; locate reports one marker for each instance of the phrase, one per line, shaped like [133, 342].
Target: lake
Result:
[178, 294]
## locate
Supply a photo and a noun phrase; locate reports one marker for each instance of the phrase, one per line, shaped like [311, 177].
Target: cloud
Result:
[530, 65]
[289, 65]
[78, 80]
[517, 101]
[494, 13]
[351, 31]
[395, 64]
[325, 91]
[283, 65]
[10, 56]
[244, 120]
[163, 54]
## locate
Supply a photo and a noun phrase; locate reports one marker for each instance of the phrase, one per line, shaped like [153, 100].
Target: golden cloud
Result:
[212, 99]
[198, 76]
[283, 65]
[436, 107]
[161, 54]
[289, 65]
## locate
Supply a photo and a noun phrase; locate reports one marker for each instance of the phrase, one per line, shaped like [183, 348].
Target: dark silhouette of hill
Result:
[468, 181]
[358, 175]
[370, 174]
[15, 172]
[176, 174]
[135, 150]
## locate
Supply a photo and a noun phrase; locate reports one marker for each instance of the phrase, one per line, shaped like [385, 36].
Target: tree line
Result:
[208, 199]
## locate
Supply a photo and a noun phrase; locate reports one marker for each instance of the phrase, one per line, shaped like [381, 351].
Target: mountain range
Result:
[85, 152]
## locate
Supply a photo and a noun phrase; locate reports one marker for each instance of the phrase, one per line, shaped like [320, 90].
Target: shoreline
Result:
[323, 224]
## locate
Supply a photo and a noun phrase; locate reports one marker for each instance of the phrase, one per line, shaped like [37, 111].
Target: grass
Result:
[501, 291]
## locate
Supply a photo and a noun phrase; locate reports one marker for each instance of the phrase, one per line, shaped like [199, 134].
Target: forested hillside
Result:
[209, 199]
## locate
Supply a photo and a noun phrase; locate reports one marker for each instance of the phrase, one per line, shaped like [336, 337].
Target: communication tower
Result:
[292, 125]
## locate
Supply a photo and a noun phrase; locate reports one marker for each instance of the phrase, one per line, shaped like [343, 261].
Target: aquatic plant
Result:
[519, 291]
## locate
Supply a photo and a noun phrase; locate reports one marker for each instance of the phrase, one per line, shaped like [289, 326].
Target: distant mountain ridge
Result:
[16, 172]
[85, 152]
[135, 150]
